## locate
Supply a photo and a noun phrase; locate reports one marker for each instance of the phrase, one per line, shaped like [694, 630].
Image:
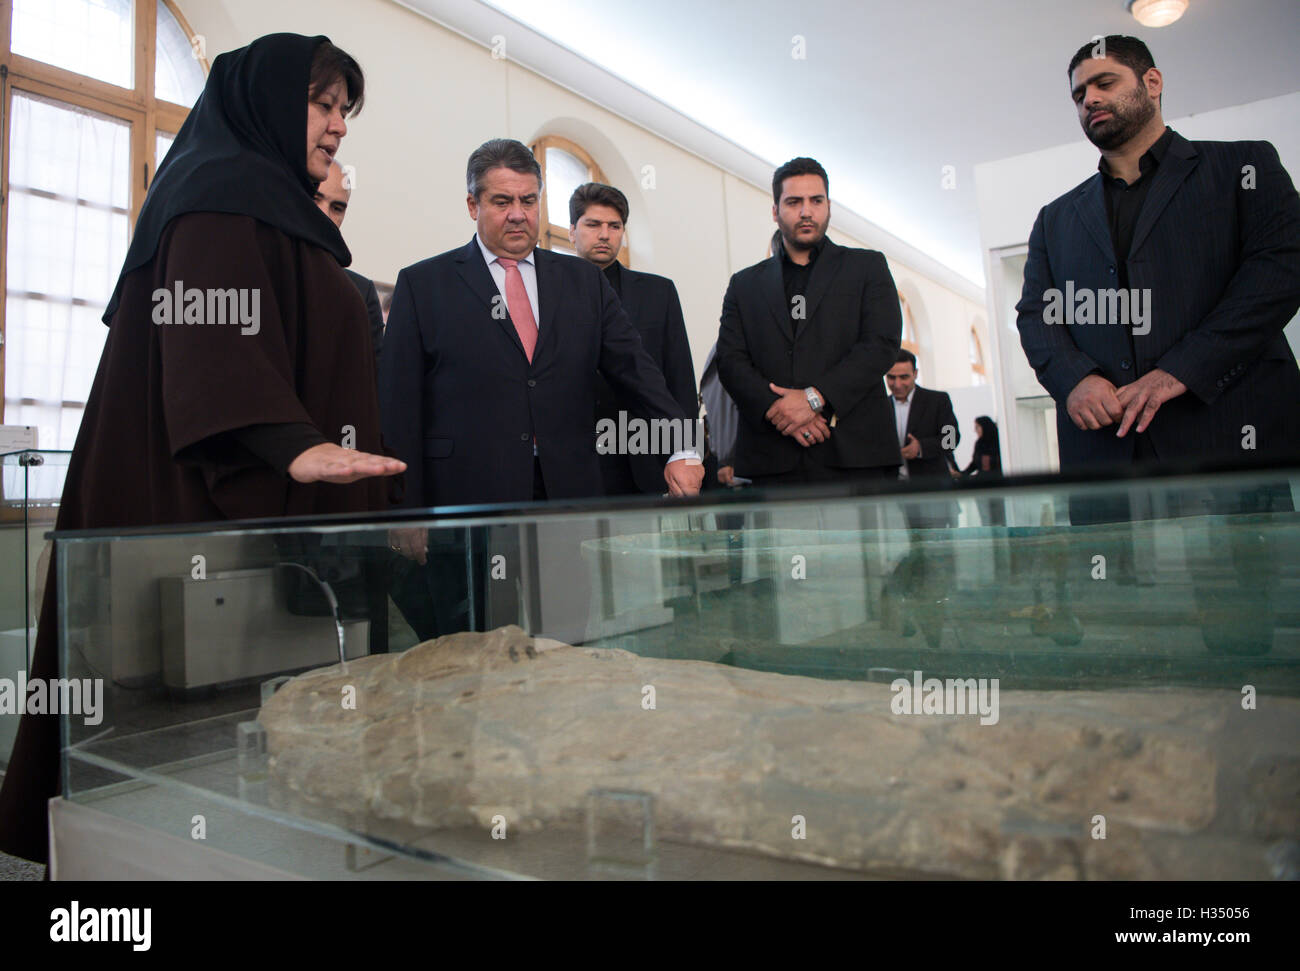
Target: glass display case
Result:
[826, 683]
[31, 482]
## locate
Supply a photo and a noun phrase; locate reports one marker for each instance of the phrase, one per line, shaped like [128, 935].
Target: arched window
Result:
[96, 91]
[565, 166]
[978, 372]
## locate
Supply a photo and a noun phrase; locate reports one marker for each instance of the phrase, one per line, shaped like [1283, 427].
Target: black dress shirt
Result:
[796, 275]
[615, 277]
[1124, 201]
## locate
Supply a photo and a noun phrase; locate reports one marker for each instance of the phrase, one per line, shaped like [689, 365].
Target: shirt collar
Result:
[905, 401]
[489, 257]
[1151, 158]
[815, 252]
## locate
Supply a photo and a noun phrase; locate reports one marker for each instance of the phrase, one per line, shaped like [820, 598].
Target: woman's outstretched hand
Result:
[328, 462]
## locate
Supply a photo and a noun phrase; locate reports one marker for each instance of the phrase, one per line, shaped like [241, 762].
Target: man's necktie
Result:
[521, 311]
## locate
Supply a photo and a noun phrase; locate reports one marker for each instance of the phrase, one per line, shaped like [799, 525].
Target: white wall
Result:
[432, 95]
[1010, 191]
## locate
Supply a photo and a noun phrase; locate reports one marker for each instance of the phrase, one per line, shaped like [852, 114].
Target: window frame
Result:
[138, 106]
[550, 232]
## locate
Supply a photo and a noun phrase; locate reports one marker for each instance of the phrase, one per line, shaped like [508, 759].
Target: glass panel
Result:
[91, 37]
[919, 683]
[30, 485]
[564, 173]
[69, 196]
[178, 75]
[162, 143]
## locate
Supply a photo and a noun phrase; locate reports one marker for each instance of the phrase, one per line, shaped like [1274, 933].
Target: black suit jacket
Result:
[1222, 262]
[376, 314]
[929, 418]
[461, 403]
[847, 341]
[652, 304]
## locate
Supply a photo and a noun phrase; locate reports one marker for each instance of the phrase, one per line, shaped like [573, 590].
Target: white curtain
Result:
[69, 198]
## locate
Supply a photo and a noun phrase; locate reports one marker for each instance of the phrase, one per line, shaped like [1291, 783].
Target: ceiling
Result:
[891, 92]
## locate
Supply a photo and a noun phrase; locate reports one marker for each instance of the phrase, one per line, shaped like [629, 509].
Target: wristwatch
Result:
[814, 400]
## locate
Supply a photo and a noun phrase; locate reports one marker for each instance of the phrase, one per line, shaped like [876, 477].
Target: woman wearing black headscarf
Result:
[986, 462]
[235, 381]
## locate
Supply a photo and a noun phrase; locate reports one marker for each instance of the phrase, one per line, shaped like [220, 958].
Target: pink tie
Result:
[521, 311]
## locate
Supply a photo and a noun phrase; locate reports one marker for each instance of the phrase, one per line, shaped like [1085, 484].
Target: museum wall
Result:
[433, 95]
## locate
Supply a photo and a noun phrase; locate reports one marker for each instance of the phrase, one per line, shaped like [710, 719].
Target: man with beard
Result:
[1200, 243]
[806, 337]
[1180, 266]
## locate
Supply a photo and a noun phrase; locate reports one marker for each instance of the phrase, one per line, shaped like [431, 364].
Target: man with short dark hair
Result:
[1153, 308]
[806, 336]
[1156, 292]
[332, 198]
[926, 423]
[597, 221]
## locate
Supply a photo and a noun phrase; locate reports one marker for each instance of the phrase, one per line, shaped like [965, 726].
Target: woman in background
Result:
[237, 365]
[986, 462]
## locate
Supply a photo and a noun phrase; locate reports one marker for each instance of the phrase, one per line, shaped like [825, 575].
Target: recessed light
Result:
[1157, 13]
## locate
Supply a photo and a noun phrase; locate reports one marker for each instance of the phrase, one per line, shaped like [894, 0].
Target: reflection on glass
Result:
[69, 196]
[91, 37]
[178, 75]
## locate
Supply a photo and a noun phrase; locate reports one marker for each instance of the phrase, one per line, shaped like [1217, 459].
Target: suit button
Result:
[525, 436]
[532, 383]
[1110, 270]
[1125, 365]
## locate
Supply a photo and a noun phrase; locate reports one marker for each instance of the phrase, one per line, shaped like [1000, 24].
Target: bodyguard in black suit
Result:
[597, 220]
[1203, 241]
[806, 336]
[1206, 235]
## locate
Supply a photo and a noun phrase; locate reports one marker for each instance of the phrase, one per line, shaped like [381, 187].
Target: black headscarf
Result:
[242, 150]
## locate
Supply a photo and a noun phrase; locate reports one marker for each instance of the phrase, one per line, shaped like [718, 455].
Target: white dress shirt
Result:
[527, 270]
[901, 410]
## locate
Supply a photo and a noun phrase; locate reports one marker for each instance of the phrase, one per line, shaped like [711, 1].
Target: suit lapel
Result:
[473, 270]
[1176, 166]
[772, 287]
[548, 296]
[1090, 204]
[823, 272]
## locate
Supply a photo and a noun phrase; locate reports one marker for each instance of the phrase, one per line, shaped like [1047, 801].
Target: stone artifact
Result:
[479, 729]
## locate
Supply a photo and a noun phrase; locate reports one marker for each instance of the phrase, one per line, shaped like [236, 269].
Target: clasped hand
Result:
[792, 416]
[1096, 403]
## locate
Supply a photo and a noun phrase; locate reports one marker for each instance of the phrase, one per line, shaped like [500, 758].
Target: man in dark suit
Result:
[927, 433]
[926, 423]
[490, 360]
[1156, 292]
[488, 376]
[597, 220]
[332, 197]
[806, 336]
[1155, 298]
